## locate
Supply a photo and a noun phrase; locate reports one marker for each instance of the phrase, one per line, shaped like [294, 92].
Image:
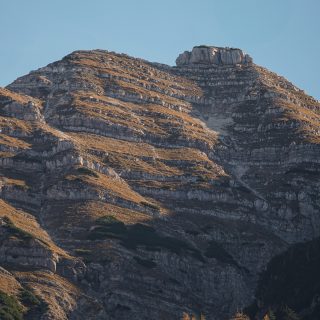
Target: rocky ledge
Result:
[213, 55]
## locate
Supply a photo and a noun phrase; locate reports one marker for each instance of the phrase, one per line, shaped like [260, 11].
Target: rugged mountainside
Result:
[136, 190]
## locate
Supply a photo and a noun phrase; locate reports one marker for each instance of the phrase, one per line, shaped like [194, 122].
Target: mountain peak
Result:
[154, 184]
[213, 55]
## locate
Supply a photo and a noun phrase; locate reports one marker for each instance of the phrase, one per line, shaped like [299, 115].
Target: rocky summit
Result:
[213, 55]
[137, 190]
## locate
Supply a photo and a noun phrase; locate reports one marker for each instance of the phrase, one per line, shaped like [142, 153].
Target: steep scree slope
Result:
[135, 190]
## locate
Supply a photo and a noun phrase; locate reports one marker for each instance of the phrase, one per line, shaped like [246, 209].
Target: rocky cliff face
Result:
[142, 191]
[213, 56]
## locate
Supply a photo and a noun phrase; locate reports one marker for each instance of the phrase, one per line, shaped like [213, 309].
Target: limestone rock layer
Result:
[213, 55]
[136, 190]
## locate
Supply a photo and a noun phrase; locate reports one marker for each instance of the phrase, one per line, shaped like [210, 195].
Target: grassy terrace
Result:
[105, 144]
[307, 114]
[8, 95]
[150, 118]
[97, 180]
[145, 158]
[15, 231]
[135, 69]
[12, 141]
[24, 226]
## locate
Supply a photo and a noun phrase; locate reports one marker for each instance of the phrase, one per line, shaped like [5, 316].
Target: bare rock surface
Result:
[213, 55]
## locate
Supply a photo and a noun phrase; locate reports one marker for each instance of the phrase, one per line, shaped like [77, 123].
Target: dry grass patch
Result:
[95, 210]
[13, 124]
[6, 154]
[120, 66]
[28, 224]
[110, 145]
[18, 97]
[8, 283]
[59, 294]
[13, 142]
[116, 186]
[14, 182]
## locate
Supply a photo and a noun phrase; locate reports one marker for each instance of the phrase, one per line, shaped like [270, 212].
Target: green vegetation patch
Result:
[28, 298]
[10, 308]
[35, 305]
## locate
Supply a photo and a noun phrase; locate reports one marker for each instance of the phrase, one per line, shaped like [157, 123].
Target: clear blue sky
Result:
[282, 35]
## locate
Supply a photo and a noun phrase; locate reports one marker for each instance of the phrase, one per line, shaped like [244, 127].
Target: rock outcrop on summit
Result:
[137, 190]
[213, 55]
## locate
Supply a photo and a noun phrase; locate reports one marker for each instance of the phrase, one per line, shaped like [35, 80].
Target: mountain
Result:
[137, 190]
